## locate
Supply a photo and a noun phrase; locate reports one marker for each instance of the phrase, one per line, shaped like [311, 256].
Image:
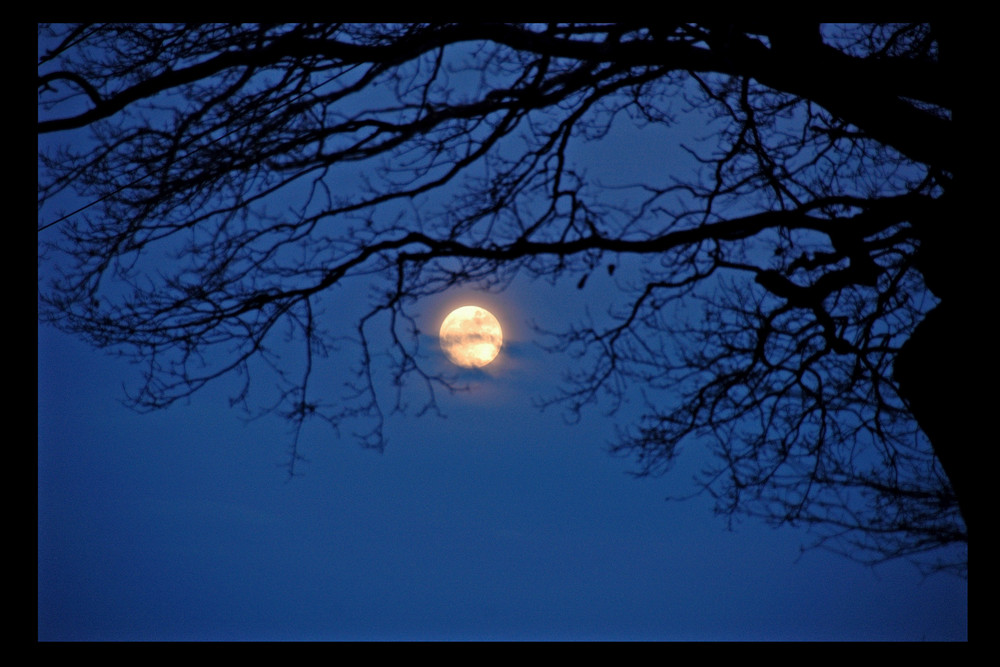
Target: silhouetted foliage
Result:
[422, 157]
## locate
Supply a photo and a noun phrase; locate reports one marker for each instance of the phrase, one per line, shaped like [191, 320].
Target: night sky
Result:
[498, 521]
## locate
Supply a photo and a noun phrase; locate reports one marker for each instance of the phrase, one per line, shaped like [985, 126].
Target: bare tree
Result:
[429, 156]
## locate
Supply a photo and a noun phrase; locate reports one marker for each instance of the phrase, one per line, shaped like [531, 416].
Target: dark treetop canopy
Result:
[809, 223]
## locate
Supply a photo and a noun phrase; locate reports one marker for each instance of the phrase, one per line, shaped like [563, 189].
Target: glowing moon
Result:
[471, 336]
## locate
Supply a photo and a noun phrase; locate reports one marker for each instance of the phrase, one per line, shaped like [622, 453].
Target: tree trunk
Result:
[932, 372]
[935, 367]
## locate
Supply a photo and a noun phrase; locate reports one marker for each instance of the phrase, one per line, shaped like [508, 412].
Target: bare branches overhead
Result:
[242, 174]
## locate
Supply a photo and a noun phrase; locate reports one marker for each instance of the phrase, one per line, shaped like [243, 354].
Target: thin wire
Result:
[195, 150]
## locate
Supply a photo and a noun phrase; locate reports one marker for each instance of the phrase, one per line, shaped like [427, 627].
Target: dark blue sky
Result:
[499, 521]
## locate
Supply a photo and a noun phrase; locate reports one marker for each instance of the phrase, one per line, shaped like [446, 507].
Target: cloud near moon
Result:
[471, 336]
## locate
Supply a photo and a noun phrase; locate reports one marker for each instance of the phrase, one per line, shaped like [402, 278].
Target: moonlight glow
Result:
[471, 336]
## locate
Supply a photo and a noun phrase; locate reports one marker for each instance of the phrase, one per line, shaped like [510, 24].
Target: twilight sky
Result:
[498, 522]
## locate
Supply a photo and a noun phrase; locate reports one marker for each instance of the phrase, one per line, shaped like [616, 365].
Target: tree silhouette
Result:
[422, 157]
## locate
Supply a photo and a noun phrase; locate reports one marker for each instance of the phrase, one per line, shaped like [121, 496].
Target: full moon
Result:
[471, 336]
